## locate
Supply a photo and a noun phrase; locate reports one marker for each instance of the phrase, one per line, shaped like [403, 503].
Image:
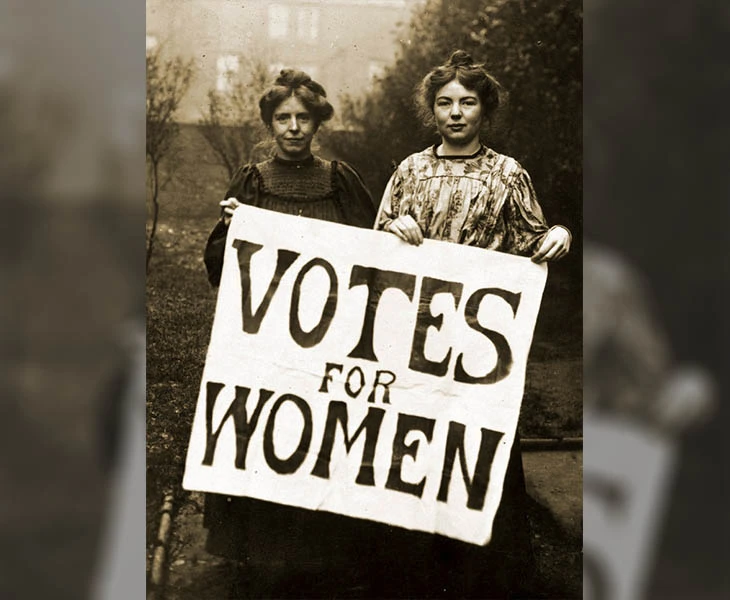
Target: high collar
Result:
[305, 162]
[482, 149]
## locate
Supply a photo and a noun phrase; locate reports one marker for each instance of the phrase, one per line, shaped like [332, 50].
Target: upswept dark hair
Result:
[291, 82]
[473, 76]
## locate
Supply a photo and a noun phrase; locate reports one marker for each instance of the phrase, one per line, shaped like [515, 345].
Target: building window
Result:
[151, 43]
[228, 66]
[308, 23]
[278, 21]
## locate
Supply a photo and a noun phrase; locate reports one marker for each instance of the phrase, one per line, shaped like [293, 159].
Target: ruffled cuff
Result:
[382, 224]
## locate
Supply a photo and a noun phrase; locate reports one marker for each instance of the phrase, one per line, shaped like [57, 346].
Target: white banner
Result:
[353, 373]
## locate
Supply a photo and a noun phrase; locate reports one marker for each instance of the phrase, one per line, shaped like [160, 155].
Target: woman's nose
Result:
[456, 111]
[294, 124]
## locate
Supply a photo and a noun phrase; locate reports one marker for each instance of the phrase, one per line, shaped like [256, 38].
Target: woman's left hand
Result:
[555, 245]
[229, 205]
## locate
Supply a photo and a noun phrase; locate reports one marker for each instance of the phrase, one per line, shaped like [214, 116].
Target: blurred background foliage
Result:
[231, 123]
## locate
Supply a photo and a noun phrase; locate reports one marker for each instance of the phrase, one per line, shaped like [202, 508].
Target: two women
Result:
[460, 191]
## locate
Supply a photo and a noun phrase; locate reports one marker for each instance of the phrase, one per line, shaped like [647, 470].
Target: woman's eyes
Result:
[447, 103]
[305, 118]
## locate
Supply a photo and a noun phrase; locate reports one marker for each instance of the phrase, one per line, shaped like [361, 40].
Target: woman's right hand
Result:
[406, 228]
[229, 205]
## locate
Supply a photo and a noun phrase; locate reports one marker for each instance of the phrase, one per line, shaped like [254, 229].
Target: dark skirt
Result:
[296, 553]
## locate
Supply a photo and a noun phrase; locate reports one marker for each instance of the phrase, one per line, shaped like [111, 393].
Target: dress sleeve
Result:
[244, 187]
[356, 202]
[390, 203]
[524, 223]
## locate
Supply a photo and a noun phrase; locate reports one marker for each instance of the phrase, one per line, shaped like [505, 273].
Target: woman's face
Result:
[293, 127]
[458, 113]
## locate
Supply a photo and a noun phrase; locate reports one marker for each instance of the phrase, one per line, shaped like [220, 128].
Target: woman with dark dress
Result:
[283, 551]
[294, 181]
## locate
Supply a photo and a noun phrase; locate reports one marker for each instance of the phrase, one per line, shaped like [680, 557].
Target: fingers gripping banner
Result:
[352, 373]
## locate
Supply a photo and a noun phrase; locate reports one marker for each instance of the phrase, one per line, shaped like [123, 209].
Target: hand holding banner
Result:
[352, 373]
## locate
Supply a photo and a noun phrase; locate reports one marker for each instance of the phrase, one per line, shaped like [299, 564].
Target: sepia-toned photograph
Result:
[391, 283]
[364, 299]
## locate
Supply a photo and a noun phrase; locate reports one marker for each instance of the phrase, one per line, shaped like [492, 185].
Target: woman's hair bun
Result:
[460, 59]
[293, 78]
[473, 76]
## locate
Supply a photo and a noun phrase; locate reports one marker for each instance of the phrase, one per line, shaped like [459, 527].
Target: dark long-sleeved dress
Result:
[287, 551]
[316, 188]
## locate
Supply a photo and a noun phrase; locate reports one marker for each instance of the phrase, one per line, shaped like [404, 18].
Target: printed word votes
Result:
[377, 281]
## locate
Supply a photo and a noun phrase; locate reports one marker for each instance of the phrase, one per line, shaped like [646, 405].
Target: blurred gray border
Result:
[656, 190]
[656, 83]
[72, 85]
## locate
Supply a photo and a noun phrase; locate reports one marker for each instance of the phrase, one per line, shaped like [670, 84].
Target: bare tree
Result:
[167, 82]
[231, 123]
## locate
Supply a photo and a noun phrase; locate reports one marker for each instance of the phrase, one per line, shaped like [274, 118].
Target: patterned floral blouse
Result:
[484, 200]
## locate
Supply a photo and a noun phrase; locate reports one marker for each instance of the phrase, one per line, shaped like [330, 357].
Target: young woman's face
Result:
[293, 127]
[458, 113]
